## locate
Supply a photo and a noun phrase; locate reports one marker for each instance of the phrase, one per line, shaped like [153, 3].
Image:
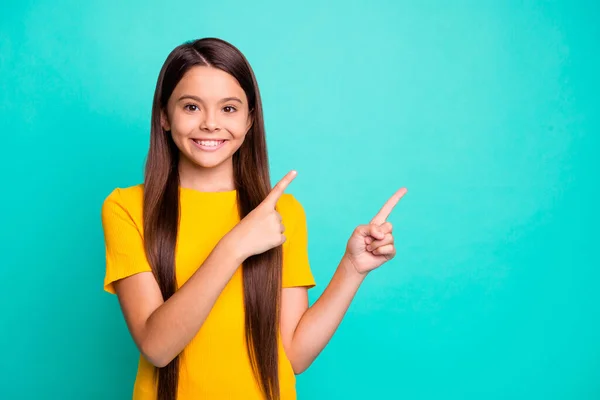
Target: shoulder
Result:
[289, 203]
[290, 208]
[131, 194]
[124, 201]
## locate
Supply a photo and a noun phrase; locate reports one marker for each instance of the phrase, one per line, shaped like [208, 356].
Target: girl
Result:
[212, 290]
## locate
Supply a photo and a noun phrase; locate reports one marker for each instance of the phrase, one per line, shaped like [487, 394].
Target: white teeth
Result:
[209, 143]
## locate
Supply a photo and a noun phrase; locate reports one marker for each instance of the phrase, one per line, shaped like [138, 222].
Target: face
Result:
[208, 117]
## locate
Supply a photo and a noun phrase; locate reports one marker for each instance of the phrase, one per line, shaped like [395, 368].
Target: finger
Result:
[370, 232]
[387, 208]
[388, 239]
[363, 230]
[376, 232]
[386, 228]
[277, 191]
[385, 250]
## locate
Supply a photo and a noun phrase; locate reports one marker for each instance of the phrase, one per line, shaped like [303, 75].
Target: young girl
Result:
[209, 262]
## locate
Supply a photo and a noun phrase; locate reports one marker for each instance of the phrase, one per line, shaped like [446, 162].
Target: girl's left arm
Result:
[306, 331]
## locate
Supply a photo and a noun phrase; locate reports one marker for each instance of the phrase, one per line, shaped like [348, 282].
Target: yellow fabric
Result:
[215, 364]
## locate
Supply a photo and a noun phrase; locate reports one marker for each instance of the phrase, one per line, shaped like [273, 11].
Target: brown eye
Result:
[190, 107]
[229, 109]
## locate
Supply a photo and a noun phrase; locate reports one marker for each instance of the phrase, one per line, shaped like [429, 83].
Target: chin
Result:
[210, 164]
[207, 162]
[207, 159]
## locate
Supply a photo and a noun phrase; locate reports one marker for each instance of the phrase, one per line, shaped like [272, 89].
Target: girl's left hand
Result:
[372, 245]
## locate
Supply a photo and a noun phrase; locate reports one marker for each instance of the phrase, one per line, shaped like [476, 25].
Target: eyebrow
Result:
[226, 99]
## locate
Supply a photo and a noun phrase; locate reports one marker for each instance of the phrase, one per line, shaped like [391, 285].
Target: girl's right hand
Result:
[261, 230]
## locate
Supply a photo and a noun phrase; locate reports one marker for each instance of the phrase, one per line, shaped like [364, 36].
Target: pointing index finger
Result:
[387, 208]
[279, 188]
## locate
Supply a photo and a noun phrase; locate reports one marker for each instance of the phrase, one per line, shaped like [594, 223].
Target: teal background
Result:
[487, 111]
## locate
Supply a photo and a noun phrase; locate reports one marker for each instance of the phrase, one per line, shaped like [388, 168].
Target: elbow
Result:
[299, 360]
[154, 356]
[158, 363]
[298, 371]
[299, 367]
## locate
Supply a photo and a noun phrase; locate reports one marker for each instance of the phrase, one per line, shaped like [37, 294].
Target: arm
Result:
[306, 331]
[161, 329]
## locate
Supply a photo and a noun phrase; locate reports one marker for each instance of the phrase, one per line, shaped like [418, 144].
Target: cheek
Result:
[182, 125]
[237, 129]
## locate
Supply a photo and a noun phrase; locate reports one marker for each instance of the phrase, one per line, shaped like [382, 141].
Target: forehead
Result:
[211, 84]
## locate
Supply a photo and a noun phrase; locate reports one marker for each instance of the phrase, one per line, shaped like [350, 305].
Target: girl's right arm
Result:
[161, 329]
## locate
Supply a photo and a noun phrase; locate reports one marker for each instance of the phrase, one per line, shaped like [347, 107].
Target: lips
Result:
[211, 142]
[209, 145]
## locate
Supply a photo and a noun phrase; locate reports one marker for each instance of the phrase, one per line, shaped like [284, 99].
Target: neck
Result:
[215, 179]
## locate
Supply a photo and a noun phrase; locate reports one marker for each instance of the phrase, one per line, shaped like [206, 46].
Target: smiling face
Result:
[208, 117]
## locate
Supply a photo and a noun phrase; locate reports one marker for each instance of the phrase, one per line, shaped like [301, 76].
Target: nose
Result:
[209, 123]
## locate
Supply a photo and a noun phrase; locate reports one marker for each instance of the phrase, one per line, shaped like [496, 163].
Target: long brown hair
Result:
[261, 273]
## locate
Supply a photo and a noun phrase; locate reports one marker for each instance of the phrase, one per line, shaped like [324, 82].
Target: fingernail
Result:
[368, 248]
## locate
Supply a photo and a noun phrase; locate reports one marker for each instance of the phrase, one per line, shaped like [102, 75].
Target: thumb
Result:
[376, 231]
[370, 230]
[277, 191]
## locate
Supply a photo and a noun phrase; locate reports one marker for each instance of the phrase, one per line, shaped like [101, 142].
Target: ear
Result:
[164, 121]
[250, 121]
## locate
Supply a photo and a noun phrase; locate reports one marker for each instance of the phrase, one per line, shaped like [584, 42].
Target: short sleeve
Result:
[296, 267]
[124, 245]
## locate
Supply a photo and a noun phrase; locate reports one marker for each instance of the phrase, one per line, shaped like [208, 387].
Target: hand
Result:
[372, 245]
[261, 230]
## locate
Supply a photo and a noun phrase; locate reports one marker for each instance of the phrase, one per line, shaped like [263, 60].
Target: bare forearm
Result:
[320, 321]
[174, 324]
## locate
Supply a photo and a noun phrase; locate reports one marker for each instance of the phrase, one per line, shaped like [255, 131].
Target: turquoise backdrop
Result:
[487, 111]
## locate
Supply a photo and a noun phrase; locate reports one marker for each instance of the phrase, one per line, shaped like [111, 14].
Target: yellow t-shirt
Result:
[214, 365]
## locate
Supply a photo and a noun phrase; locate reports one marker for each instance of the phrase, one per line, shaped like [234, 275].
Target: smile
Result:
[209, 145]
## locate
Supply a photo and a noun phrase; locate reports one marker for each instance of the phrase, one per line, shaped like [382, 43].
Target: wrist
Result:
[350, 269]
[230, 247]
